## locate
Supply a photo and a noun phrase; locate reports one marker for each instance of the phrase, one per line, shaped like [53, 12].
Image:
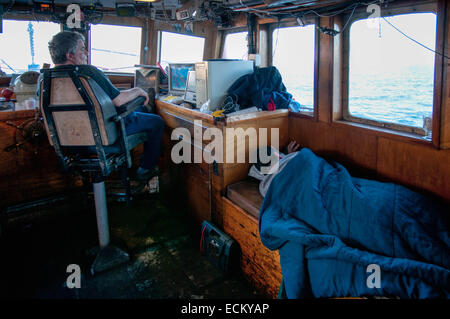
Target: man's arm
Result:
[129, 95]
[118, 97]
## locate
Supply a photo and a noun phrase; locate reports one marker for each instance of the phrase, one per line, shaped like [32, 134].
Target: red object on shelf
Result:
[6, 93]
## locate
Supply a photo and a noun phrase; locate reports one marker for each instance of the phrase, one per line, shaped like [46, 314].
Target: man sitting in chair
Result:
[68, 48]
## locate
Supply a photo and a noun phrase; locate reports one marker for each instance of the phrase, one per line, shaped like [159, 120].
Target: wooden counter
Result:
[204, 183]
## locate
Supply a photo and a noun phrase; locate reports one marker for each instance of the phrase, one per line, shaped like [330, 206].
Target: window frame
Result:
[118, 24]
[159, 42]
[225, 33]
[308, 21]
[27, 17]
[394, 129]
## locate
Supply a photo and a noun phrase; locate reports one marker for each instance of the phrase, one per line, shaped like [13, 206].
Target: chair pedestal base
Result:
[107, 258]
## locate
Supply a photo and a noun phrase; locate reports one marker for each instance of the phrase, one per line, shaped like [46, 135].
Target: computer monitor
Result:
[189, 94]
[146, 77]
[178, 74]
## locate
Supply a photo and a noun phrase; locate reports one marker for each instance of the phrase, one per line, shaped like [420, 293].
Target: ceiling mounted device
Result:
[125, 9]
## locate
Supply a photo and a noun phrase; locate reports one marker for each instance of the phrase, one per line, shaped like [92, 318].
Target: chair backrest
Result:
[76, 110]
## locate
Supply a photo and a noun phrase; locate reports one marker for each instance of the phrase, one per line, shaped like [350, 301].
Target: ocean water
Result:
[403, 97]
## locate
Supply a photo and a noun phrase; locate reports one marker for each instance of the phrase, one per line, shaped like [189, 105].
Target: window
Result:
[180, 48]
[236, 46]
[293, 55]
[25, 45]
[391, 78]
[108, 54]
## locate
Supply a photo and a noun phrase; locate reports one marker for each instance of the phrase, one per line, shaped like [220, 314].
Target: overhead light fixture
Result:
[125, 9]
[44, 6]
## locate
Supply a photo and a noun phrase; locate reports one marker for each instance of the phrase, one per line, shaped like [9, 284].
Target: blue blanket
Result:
[331, 229]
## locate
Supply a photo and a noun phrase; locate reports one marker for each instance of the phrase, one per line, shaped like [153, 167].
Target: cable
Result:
[349, 18]
[10, 6]
[335, 13]
[9, 67]
[165, 13]
[202, 243]
[254, 10]
[441, 54]
[333, 32]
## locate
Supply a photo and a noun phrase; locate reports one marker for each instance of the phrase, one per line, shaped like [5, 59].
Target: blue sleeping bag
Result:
[331, 228]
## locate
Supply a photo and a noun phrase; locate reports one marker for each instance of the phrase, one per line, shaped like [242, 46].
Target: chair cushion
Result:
[245, 194]
[133, 141]
[136, 139]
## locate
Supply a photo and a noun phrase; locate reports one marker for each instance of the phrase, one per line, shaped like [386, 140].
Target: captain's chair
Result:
[89, 137]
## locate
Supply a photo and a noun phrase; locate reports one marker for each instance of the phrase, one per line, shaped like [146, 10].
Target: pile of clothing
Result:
[264, 89]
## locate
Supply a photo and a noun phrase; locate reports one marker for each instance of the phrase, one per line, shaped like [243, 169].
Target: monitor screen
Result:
[147, 77]
[189, 94]
[178, 74]
[190, 86]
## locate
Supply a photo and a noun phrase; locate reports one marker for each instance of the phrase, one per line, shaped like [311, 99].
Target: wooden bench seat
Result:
[259, 265]
[246, 195]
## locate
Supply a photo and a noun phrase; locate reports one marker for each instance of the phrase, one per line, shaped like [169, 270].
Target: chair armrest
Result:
[130, 107]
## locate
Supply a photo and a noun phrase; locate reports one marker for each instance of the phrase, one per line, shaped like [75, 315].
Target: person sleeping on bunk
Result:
[266, 172]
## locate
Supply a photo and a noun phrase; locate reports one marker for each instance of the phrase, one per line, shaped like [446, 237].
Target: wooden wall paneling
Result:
[259, 265]
[236, 143]
[190, 182]
[240, 21]
[337, 71]
[153, 40]
[316, 70]
[121, 81]
[415, 166]
[445, 113]
[217, 191]
[438, 73]
[318, 136]
[4, 81]
[282, 124]
[242, 132]
[29, 186]
[207, 30]
[263, 44]
[218, 50]
[445, 109]
[196, 186]
[124, 21]
[355, 151]
[235, 172]
[148, 37]
[27, 175]
[325, 81]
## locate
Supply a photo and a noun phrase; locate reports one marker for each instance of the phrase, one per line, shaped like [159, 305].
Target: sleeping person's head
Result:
[267, 160]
